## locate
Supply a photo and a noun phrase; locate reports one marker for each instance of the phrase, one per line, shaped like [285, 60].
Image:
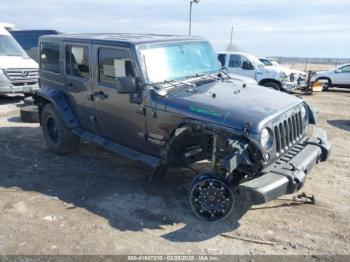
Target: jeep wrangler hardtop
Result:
[163, 100]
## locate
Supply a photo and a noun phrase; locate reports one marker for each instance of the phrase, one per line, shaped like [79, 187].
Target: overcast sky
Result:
[265, 27]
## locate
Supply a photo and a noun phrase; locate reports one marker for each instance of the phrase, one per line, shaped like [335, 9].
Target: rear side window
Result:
[345, 69]
[49, 57]
[222, 59]
[113, 63]
[77, 61]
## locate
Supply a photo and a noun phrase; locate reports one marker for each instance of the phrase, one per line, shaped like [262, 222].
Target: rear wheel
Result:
[272, 85]
[211, 197]
[58, 137]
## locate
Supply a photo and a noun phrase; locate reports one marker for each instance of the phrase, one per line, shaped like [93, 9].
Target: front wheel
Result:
[211, 197]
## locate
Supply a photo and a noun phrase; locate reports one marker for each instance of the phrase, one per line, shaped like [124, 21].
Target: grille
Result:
[288, 132]
[22, 75]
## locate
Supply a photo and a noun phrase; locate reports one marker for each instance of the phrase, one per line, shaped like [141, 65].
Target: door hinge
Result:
[247, 127]
[141, 111]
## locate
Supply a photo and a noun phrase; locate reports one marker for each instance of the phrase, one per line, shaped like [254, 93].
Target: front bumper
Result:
[7, 87]
[288, 177]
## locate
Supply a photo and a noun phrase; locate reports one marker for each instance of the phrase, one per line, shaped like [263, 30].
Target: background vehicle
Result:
[293, 74]
[338, 77]
[249, 65]
[28, 39]
[164, 101]
[18, 72]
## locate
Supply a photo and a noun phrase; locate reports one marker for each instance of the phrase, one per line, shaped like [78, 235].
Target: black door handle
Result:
[99, 96]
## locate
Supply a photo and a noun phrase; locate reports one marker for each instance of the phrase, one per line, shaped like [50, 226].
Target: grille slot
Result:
[22, 75]
[288, 132]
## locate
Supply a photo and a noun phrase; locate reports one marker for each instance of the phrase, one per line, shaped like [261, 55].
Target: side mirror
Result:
[338, 71]
[126, 85]
[247, 65]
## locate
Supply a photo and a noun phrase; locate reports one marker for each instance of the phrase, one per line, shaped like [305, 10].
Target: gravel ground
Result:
[94, 202]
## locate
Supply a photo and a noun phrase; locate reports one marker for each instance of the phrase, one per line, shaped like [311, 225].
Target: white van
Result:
[18, 72]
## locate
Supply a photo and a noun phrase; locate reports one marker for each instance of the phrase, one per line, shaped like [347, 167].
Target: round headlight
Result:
[266, 139]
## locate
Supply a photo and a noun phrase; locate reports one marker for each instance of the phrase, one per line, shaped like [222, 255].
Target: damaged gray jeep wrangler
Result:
[165, 101]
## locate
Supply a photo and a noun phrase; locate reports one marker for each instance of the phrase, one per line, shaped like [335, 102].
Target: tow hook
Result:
[305, 199]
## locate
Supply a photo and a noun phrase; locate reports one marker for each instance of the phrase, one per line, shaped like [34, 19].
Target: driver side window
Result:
[112, 64]
[235, 61]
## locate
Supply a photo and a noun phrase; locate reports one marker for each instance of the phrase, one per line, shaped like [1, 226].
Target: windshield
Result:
[266, 62]
[255, 60]
[178, 61]
[9, 47]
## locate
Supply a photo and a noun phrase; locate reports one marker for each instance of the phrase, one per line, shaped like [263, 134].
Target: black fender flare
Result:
[182, 130]
[59, 100]
[312, 110]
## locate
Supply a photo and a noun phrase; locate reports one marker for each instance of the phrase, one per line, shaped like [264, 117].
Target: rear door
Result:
[117, 119]
[78, 82]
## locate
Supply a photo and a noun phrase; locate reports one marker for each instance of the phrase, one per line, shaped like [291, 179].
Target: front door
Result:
[78, 82]
[117, 119]
[235, 66]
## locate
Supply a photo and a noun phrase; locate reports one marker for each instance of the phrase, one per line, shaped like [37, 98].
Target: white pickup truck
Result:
[18, 72]
[250, 66]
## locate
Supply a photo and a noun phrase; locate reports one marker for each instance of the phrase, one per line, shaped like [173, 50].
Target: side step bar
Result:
[149, 160]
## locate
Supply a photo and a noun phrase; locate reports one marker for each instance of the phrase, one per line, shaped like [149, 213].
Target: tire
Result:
[58, 137]
[29, 114]
[272, 85]
[211, 197]
[328, 85]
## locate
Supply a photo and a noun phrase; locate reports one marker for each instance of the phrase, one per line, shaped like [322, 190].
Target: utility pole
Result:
[231, 39]
[190, 22]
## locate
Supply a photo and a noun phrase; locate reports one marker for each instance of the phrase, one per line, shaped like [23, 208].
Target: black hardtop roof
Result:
[120, 37]
[38, 31]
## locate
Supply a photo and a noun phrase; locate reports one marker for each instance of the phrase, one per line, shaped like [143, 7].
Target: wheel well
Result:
[186, 145]
[325, 78]
[264, 81]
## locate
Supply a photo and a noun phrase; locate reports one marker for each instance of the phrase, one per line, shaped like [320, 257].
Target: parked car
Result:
[164, 101]
[249, 65]
[338, 77]
[28, 39]
[293, 74]
[18, 72]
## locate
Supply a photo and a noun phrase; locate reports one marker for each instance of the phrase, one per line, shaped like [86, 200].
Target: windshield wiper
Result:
[175, 83]
[223, 72]
[204, 76]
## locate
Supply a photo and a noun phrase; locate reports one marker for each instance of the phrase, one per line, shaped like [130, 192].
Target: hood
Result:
[244, 79]
[289, 71]
[7, 62]
[230, 104]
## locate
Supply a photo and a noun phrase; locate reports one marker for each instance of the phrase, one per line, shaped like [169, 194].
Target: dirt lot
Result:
[94, 202]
